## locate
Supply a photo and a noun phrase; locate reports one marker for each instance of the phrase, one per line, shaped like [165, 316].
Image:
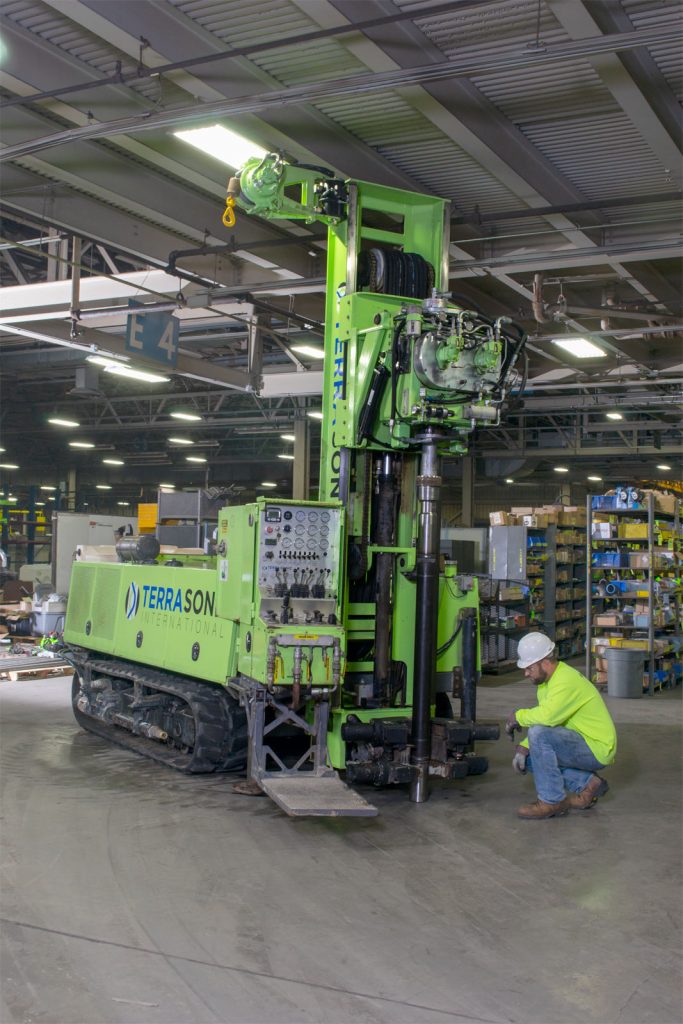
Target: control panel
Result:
[298, 562]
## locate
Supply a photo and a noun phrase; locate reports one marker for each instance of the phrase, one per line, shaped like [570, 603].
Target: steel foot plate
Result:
[323, 796]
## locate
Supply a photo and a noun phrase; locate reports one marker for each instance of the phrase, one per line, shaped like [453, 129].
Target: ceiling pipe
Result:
[351, 85]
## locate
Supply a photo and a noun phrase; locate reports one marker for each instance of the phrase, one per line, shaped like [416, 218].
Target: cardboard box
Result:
[633, 531]
[603, 531]
[611, 619]
[538, 520]
[522, 510]
[500, 519]
[639, 559]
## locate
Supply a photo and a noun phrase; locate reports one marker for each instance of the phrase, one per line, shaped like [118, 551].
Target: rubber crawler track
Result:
[220, 723]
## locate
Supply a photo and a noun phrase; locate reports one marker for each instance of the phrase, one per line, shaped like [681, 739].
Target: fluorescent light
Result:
[123, 503]
[102, 487]
[290, 458]
[581, 348]
[267, 483]
[663, 465]
[309, 350]
[123, 370]
[39, 504]
[3, 449]
[288, 437]
[8, 465]
[509, 480]
[114, 462]
[169, 487]
[47, 487]
[185, 416]
[315, 415]
[180, 440]
[194, 458]
[13, 499]
[560, 469]
[228, 147]
[63, 423]
[614, 416]
[80, 444]
[594, 478]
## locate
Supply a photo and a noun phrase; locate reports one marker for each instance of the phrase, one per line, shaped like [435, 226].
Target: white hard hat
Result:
[532, 648]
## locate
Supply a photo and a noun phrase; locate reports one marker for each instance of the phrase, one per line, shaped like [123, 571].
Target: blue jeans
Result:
[559, 759]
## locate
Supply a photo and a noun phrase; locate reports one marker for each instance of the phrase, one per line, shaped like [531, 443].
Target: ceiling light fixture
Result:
[288, 437]
[560, 469]
[289, 458]
[123, 503]
[114, 462]
[168, 487]
[227, 146]
[102, 487]
[63, 423]
[194, 458]
[509, 480]
[8, 465]
[594, 478]
[190, 416]
[80, 444]
[581, 348]
[12, 498]
[614, 416]
[180, 440]
[663, 465]
[47, 487]
[123, 370]
[309, 350]
[267, 483]
[39, 504]
[315, 414]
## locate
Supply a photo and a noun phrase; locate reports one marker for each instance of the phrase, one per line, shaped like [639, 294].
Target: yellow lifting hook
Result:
[228, 217]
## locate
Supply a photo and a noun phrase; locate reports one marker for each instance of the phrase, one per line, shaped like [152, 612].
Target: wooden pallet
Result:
[34, 672]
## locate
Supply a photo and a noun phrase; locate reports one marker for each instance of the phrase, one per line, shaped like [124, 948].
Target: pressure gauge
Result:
[299, 515]
[312, 517]
[325, 517]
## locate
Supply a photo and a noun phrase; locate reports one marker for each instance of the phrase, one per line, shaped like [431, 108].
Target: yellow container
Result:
[147, 516]
[633, 531]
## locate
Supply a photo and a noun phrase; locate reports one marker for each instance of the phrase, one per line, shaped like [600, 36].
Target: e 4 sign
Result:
[153, 335]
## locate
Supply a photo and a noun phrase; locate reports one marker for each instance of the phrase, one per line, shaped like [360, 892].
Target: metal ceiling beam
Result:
[350, 85]
[90, 341]
[647, 199]
[175, 35]
[630, 93]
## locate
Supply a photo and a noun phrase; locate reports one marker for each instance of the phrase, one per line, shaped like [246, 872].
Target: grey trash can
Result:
[624, 672]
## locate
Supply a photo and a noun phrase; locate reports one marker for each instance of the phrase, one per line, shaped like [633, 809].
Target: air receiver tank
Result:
[138, 549]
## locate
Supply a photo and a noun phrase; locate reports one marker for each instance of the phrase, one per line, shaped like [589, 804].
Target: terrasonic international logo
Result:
[132, 600]
[169, 599]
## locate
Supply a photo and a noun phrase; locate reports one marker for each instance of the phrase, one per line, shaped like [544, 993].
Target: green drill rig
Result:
[328, 635]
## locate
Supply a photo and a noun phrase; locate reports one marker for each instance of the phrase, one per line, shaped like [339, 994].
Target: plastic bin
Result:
[624, 672]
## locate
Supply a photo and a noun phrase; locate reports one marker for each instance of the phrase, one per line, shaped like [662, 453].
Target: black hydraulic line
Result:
[468, 702]
[427, 602]
[451, 640]
[384, 566]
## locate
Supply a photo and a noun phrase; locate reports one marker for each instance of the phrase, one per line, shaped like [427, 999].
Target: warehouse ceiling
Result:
[554, 129]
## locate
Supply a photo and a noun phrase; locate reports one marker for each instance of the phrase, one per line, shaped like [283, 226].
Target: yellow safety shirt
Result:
[570, 700]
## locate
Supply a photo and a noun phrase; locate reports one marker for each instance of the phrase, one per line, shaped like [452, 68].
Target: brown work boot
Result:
[594, 788]
[540, 809]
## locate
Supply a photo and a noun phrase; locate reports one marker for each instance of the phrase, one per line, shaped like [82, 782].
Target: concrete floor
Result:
[134, 895]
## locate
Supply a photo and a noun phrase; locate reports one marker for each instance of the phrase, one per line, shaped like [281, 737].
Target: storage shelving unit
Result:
[550, 560]
[499, 612]
[634, 571]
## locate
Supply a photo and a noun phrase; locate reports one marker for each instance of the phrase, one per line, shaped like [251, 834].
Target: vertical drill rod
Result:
[384, 536]
[427, 603]
[468, 704]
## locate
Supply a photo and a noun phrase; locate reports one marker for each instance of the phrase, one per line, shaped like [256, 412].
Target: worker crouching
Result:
[571, 734]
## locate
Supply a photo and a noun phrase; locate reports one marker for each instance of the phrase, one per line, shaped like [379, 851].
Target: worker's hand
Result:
[519, 760]
[511, 723]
